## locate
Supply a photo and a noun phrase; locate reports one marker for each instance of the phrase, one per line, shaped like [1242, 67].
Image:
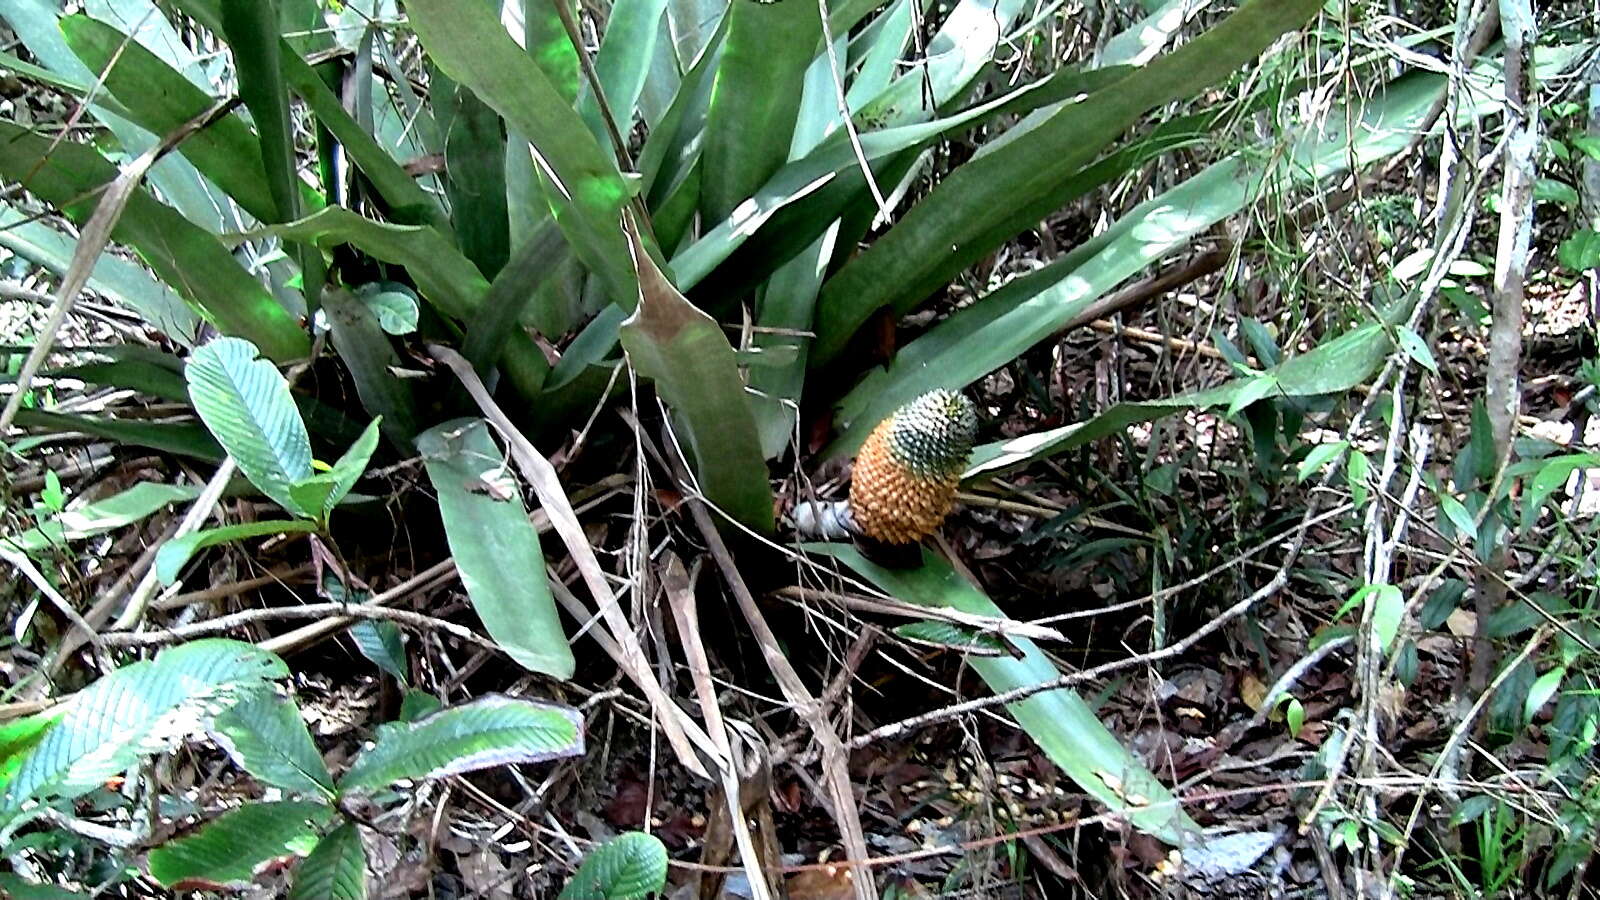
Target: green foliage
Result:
[136, 710]
[89, 519]
[495, 546]
[630, 866]
[246, 404]
[552, 219]
[489, 731]
[231, 846]
[336, 868]
[1060, 721]
[267, 737]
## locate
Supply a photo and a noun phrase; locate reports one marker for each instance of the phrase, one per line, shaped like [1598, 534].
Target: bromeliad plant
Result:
[712, 156]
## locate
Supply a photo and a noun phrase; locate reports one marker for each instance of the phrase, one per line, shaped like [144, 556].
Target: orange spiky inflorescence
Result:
[907, 471]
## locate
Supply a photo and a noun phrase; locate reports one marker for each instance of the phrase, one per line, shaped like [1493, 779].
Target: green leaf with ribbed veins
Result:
[245, 402]
[381, 642]
[630, 866]
[335, 870]
[495, 546]
[89, 519]
[232, 846]
[1059, 721]
[490, 731]
[266, 735]
[137, 709]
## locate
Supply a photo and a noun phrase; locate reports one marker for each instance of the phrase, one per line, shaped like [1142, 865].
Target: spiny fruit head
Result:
[907, 471]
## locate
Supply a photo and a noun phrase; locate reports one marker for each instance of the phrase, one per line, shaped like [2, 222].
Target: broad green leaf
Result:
[1335, 366]
[447, 279]
[266, 736]
[173, 178]
[1319, 457]
[1388, 609]
[80, 89]
[176, 553]
[1549, 475]
[993, 197]
[692, 363]
[524, 278]
[19, 736]
[83, 520]
[490, 731]
[335, 870]
[1580, 252]
[230, 847]
[69, 175]
[417, 705]
[246, 404]
[118, 279]
[161, 99]
[252, 32]
[183, 438]
[367, 352]
[546, 40]
[1543, 689]
[407, 201]
[132, 373]
[495, 546]
[1294, 717]
[134, 710]
[630, 866]
[1059, 721]
[962, 48]
[1459, 518]
[381, 642]
[755, 99]
[395, 306]
[1255, 388]
[832, 161]
[467, 42]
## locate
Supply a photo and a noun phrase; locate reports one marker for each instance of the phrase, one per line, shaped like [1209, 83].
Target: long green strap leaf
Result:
[68, 176]
[1059, 721]
[993, 197]
[468, 43]
[160, 99]
[755, 98]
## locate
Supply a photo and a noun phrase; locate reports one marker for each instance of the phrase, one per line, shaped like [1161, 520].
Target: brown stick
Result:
[835, 760]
